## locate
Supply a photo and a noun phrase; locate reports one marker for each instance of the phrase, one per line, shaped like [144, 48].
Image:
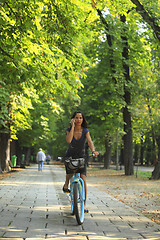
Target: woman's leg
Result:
[85, 185]
[68, 177]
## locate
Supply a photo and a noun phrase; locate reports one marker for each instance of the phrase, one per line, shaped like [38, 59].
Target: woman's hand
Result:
[95, 154]
[73, 122]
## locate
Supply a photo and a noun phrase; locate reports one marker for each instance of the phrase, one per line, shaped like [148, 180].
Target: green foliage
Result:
[54, 52]
[102, 99]
[4, 100]
[41, 59]
[142, 174]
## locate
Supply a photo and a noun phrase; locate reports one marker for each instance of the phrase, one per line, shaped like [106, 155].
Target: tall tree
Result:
[128, 149]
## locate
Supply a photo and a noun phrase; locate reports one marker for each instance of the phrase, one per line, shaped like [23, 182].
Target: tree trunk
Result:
[107, 155]
[121, 159]
[16, 149]
[158, 144]
[156, 172]
[28, 156]
[148, 151]
[141, 152]
[4, 151]
[154, 158]
[136, 153]
[127, 152]
[128, 148]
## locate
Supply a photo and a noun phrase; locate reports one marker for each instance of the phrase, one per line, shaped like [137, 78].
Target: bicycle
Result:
[77, 190]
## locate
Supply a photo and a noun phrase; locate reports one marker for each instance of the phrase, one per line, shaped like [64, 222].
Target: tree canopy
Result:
[57, 56]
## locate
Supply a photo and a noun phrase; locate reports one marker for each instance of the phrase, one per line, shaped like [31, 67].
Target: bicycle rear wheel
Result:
[78, 202]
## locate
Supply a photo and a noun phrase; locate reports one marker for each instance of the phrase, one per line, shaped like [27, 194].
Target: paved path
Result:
[33, 206]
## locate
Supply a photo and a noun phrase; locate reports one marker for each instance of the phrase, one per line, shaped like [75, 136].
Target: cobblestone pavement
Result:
[33, 206]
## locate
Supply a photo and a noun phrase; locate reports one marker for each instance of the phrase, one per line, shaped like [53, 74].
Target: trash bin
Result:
[22, 164]
[14, 159]
[23, 158]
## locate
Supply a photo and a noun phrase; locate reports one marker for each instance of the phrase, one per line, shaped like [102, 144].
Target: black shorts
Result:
[81, 170]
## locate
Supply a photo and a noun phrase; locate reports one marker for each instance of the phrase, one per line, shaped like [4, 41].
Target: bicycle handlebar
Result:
[92, 155]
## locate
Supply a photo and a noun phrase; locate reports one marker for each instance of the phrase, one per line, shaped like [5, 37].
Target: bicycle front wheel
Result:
[78, 202]
[72, 201]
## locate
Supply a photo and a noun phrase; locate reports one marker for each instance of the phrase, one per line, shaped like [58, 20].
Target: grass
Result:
[142, 174]
[139, 175]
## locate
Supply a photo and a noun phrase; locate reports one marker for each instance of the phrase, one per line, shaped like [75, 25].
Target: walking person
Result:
[40, 159]
[76, 136]
[48, 158]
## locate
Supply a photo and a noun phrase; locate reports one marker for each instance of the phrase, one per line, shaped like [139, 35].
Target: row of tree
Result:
[99, 56]
[40, 64]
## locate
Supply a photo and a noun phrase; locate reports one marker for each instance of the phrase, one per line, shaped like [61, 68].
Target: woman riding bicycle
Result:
[76, 136]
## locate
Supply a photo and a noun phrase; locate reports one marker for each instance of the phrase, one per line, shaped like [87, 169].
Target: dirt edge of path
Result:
[141, 194]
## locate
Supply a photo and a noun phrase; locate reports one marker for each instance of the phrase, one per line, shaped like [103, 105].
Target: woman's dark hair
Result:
[84, 123]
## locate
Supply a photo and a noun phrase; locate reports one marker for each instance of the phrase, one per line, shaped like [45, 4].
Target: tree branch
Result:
[109, 40]
[5, 53]
[12, 11]
[87, 16]
[146, 17]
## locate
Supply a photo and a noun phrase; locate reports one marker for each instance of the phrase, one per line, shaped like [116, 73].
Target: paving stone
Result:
[33, 206]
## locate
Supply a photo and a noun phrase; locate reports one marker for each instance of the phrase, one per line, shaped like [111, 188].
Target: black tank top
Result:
[77, 147]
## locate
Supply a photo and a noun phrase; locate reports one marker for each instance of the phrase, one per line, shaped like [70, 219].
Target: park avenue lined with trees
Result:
[101, 57]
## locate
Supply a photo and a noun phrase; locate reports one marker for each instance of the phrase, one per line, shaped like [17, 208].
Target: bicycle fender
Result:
[76, 180]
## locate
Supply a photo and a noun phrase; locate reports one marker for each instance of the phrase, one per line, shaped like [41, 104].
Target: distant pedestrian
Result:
[40, 159]
[48, 158]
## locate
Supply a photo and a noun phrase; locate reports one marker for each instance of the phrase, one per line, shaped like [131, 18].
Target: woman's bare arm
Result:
[91, 145]
[69, 136]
